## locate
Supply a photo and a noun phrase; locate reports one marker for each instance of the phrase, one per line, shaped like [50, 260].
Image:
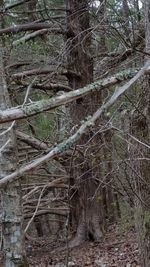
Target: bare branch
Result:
[16, 4]
[34, 142]
[55, 183]
[27, 92]
[9, 129]
[16, 65]
[54, 102]
[48, 211]
[52, 87]
[35, 212]
[65, 145]
[32, 26]
[42, 70]
[30, 36]
[3, 147]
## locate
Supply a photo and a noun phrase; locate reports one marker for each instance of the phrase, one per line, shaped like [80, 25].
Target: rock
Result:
[71, 263]
[100, 263]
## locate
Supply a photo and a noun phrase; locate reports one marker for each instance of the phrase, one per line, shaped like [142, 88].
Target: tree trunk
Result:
[141, 178]
[126, 14]
[141, 130]
[86, 210]
[12, 241]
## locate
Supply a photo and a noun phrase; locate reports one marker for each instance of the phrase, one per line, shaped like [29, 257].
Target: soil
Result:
[118, 249]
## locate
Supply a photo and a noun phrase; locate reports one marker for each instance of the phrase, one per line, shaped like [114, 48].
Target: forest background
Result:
[74, 122]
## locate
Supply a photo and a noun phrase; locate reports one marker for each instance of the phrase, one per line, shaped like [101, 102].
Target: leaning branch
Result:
[16, 4]
[75, 137]
[47, 211]
[32, 26]
[41, 71]
[32, 141]
[34, 108]
[55, 183]
[55, 87]
[31, 36]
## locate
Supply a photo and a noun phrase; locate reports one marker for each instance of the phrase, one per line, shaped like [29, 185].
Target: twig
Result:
[34, 214]
[10, 127]
[3, 147]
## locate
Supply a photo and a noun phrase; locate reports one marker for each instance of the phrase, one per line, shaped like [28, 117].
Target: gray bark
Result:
[12, 243]
[34, 108]
[65, 145]
[141, 130]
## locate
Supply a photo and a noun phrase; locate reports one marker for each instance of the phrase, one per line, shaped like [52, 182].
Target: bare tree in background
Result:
[141, 130]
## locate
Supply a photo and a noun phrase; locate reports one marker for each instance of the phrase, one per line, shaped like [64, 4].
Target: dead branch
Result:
[16, 65]
[65, 145]
[54, 102]
[56, 183]
[32, 26]
[55, 87]
[8, 7]
[30, 36]
[41, 71]
[32, 141]
[36, 210]
[47, 211]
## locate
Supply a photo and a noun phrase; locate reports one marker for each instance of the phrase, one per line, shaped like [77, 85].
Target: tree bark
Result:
[141, 130]
[12, 236]
[86, 211]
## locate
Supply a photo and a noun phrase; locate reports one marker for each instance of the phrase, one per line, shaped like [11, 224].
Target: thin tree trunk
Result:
[126, 14]
[141, 130]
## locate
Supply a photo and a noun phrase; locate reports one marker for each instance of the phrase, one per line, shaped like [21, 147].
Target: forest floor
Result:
[118, 249]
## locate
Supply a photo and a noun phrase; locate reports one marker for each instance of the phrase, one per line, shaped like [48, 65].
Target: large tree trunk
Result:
[86, 210]
[141, 174]
[12, 242]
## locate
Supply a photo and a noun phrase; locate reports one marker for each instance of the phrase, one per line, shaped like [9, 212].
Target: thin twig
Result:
[34, 214]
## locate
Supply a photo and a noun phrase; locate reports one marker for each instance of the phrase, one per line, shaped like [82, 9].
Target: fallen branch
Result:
[65, 145]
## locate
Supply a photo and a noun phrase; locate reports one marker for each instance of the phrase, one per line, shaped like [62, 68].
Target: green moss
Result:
[37, 106]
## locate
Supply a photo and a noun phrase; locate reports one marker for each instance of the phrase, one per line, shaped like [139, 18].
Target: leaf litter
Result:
[118, 249]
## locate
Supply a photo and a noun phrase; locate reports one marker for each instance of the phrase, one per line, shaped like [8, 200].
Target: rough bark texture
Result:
[126, 14]
[86, 211]
[141, 175]
[12, 243]
[34, 108]
[141, 130]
